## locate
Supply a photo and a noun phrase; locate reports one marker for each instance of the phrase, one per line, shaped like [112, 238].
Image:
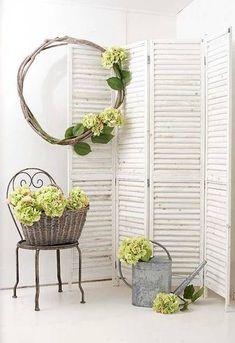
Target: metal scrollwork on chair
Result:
[31, 177]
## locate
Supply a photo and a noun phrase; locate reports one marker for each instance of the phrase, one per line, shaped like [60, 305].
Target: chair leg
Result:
[80, 274]
[37, 280]
[17, 273]
[58, 271]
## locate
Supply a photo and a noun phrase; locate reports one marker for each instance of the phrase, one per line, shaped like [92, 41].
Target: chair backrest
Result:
[35, 178]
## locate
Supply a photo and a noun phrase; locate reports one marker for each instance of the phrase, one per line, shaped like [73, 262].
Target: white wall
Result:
[24, 25]
[205, 17]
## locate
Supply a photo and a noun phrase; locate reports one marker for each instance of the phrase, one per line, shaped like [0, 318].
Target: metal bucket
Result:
[150, 278]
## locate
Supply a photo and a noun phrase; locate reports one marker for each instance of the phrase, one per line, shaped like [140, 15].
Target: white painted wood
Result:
[176, 150]
[218, 164]
[164, 144]
[94, 173]
[132, 151]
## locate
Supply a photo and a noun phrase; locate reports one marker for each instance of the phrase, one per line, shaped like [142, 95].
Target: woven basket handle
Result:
[120, 264]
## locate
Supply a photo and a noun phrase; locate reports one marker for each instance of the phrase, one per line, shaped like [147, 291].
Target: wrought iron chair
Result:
[36, 178]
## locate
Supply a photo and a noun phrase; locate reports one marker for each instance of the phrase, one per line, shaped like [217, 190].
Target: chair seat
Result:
[23, 245]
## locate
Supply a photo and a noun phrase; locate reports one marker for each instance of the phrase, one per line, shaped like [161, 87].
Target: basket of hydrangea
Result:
[47, 217]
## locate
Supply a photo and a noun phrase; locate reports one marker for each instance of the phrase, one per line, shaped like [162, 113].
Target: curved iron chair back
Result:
[32, 177]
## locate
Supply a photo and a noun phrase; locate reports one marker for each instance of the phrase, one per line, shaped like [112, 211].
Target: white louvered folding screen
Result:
[218, 166]
[94, 172]
[132, 151]
[166, 143]
[176, 171]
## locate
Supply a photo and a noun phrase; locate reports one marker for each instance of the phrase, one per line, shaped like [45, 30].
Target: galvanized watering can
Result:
[150, 278]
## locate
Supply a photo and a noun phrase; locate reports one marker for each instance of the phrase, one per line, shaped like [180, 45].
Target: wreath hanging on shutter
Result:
[97, 126]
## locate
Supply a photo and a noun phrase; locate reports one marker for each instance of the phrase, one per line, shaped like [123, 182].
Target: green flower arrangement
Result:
[77, 199]
[99, 126]
[112, 56]
[19, 194]
[167, 303]
[28, 205]
[135, 249]
[51, 200]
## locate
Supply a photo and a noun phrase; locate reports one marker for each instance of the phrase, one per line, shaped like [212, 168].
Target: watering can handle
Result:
[120, 264]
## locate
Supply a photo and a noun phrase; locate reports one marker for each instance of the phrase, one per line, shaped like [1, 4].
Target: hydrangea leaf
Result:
[102, 138]
[197, 294]
[69, 132]
[126, 76]
[115, 83]
[82, 148]
[107, 129]
[188, 292]
[78, 129]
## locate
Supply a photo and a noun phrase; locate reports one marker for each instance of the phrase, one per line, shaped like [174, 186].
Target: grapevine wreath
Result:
[97, 126]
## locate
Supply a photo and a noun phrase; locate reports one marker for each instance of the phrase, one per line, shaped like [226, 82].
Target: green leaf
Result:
[69, 132]
[126, 76]
[184, 306]
[78, 129]
[188, 292]
[82, 148]
[197, 294]
[107, 129]
[102, 138]
[115, 83]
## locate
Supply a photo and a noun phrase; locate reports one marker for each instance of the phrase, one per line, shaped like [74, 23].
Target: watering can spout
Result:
[185, 283]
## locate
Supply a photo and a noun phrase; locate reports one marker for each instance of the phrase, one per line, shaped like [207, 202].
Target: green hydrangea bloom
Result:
[27, 213]
[18, 194]
[114, 55]
[166, 303]
[25, 206]
[51, 200]
[112, 117]
[28, 205]
[135, 249]
[77, 199]
[93, 121]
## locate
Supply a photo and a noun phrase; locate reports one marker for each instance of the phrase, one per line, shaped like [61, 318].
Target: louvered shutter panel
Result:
[132, 151]
[176, 188]
[94, 173]
[218, 165]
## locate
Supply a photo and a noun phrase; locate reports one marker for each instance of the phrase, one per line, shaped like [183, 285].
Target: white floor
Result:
[108, 316]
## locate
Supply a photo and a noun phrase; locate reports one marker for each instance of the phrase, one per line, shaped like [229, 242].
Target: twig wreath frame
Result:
[77, 134]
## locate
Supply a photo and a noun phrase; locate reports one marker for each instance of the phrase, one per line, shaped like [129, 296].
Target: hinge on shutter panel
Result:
[148, 59]
[148, 182]
[204, 60]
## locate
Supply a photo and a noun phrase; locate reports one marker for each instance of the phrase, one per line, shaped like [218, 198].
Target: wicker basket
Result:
[52, 231]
